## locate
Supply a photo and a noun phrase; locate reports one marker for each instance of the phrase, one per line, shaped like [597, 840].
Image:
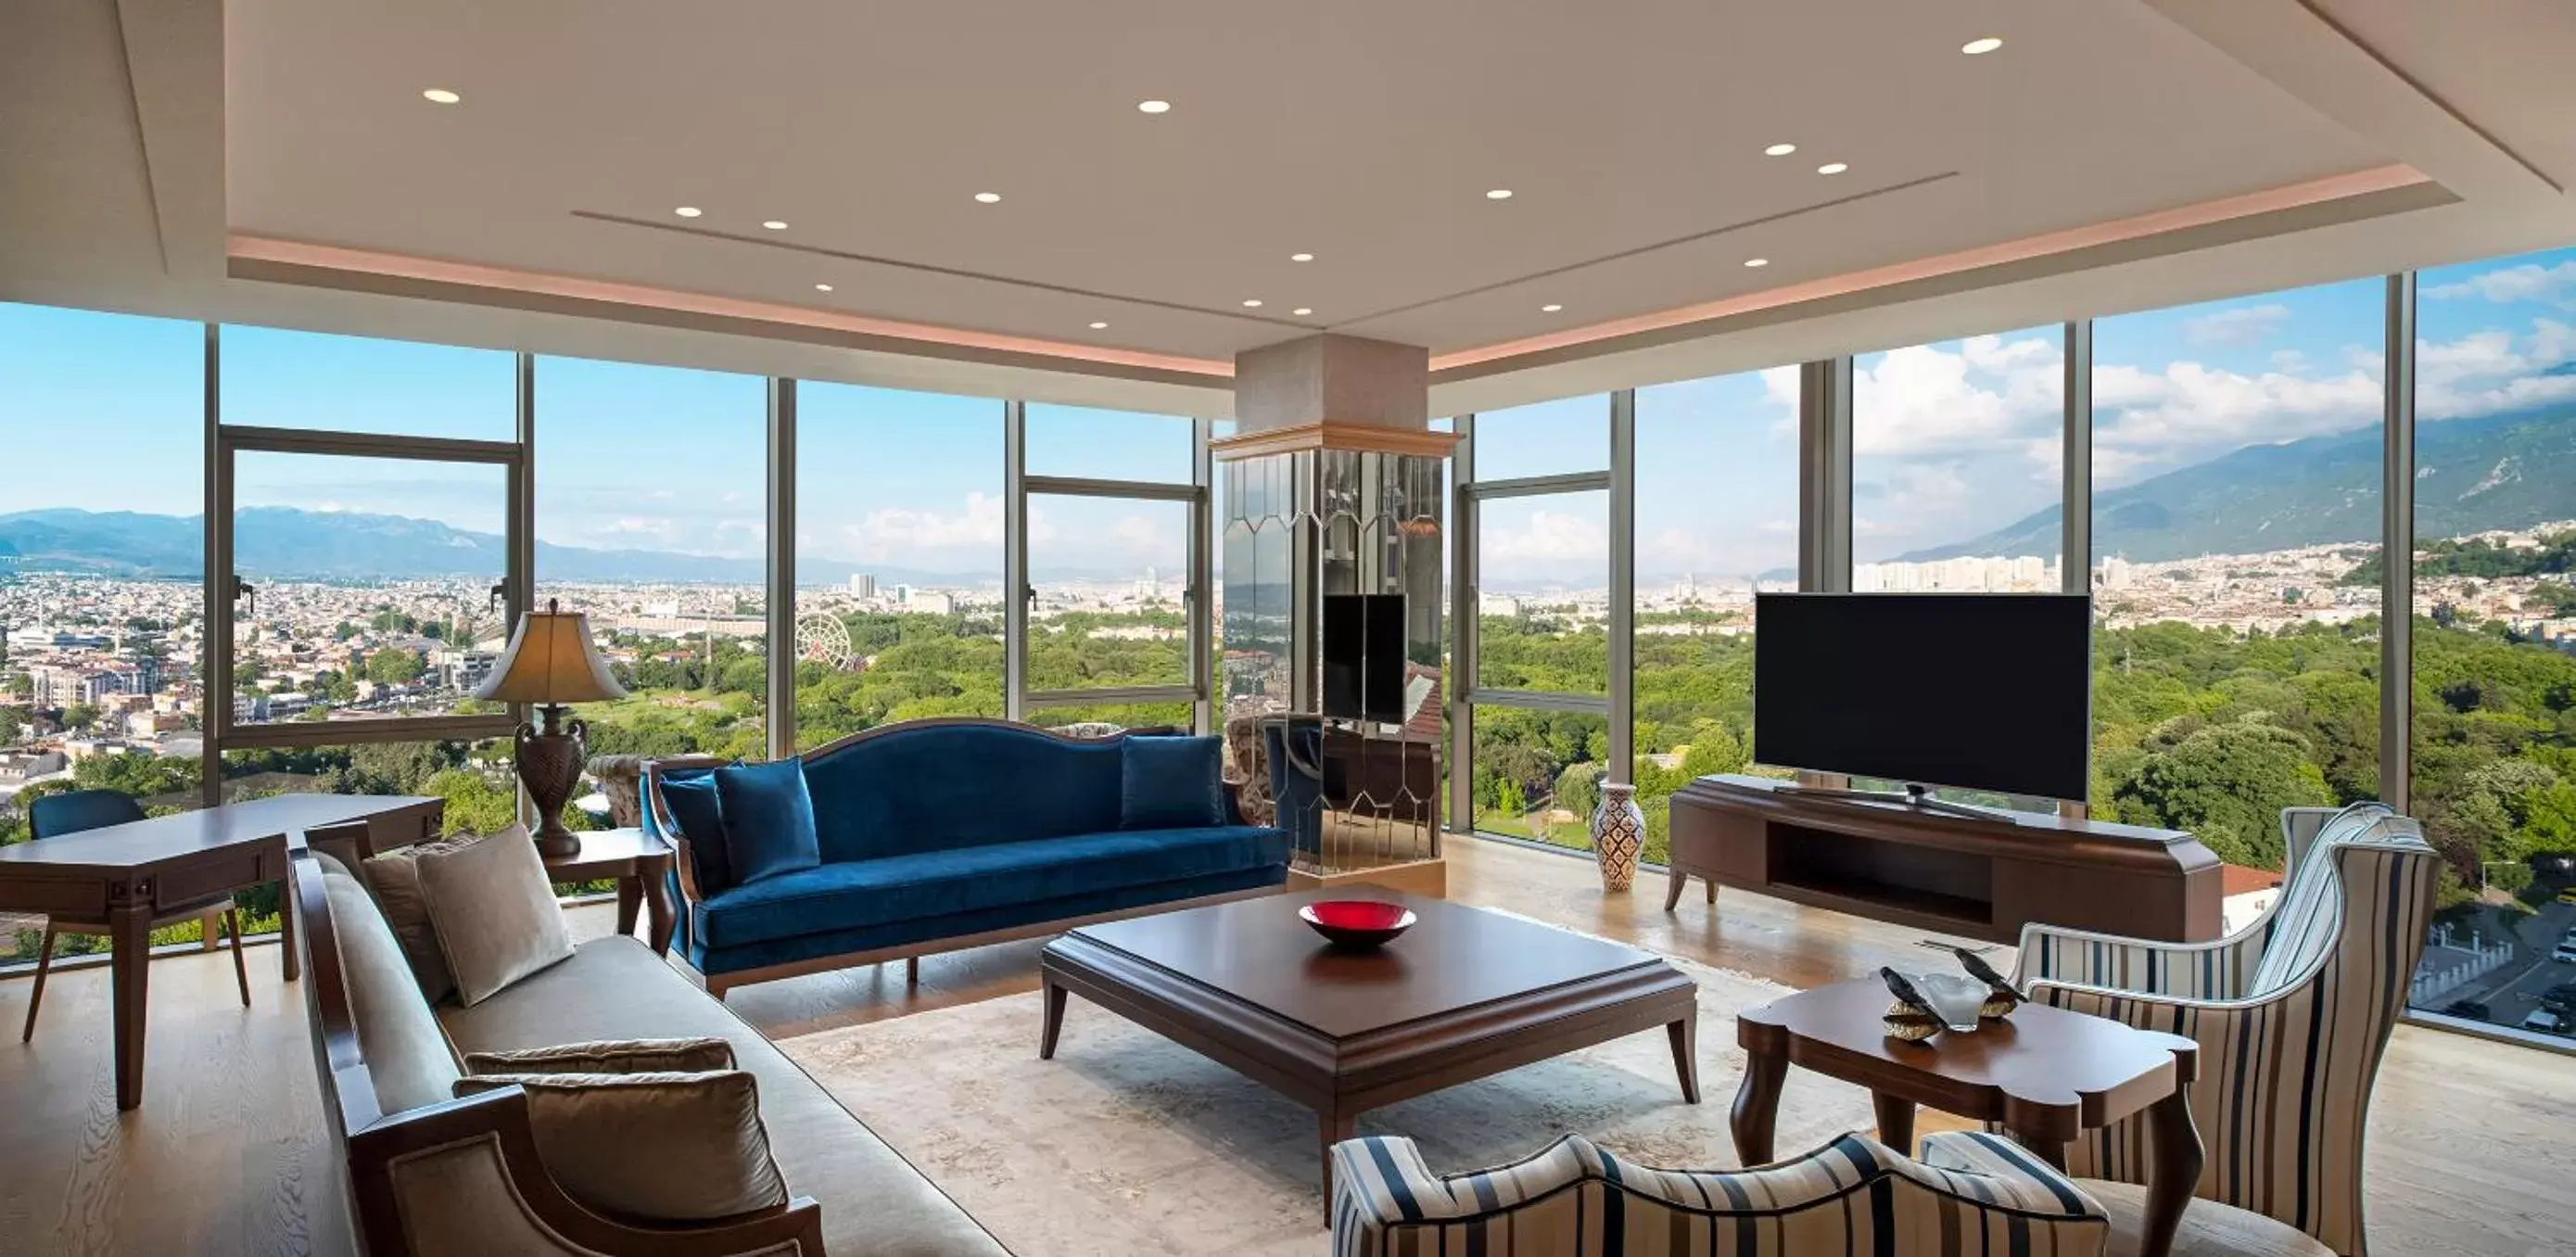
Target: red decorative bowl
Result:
[1357, 923]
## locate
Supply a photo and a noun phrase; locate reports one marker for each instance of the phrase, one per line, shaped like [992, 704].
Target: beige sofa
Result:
[431, 1175]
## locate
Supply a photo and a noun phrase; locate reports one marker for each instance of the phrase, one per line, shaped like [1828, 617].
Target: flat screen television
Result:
[1980, 691]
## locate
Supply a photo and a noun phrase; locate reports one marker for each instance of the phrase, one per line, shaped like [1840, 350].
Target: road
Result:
[2512, 992]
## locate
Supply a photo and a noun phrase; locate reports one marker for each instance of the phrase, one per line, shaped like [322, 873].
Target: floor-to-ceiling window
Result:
[1538, 517]
[102, 613]
[1114, 512]
[1717, 520]
[2236, 523]
[2494, 634]
[651, 516]
[899, 547]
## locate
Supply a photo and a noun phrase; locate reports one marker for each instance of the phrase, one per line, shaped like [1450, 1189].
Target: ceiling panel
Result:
[1364, 133]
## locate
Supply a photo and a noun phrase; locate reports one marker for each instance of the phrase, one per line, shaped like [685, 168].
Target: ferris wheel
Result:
[822, 638]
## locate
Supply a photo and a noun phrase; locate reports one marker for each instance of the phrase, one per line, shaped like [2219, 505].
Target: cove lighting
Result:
[1780, 150]
[441, 96]
[989, 198]
[1980, 47]
[1833, 168]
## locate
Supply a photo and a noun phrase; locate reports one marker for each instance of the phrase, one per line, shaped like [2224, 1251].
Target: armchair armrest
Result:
[464, 1176]
[2058, 956]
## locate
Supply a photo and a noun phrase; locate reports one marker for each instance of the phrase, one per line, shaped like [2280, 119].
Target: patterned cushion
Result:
[1979, 1195]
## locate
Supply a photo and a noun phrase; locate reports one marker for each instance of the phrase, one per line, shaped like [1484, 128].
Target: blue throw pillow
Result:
[699, 812]
[1170, 783]
[768, 819]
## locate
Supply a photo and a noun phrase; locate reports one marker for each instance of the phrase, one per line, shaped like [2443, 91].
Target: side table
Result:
[2045, 1074]
[641, 864]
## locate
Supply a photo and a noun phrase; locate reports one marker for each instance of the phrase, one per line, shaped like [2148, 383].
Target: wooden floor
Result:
[2473, 1143]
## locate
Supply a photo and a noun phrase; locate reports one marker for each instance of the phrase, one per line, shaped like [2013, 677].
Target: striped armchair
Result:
[2292, 1016]
[1972, 1194]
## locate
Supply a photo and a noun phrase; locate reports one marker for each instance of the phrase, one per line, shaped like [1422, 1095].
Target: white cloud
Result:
[2237, 326]
[902, 534]
[1556, 543]
[2493, 371]
[1926, 400]
[2555, 285]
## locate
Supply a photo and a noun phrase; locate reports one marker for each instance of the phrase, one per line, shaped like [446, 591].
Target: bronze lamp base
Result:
[550, 760]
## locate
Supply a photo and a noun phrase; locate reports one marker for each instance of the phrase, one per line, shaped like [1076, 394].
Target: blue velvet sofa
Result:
[934, 835]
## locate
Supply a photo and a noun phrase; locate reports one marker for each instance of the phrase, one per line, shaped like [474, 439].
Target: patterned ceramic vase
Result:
[1618, 834]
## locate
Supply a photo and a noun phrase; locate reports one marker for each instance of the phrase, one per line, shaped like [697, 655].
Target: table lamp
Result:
[550, 662]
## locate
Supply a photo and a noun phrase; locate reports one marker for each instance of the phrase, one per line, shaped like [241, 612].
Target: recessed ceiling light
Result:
[1252, 302]
[775, 225]
[1550, 309]
[1301, 311]
[822, 288]
[1833, 168]
[1780, 150]
[1301, 257]
[989, 198]
[688, 211]
[1153, 106]
[1757, 261]
[1980, 47]
[1499, 194]
[441, 96]
[1098, 326]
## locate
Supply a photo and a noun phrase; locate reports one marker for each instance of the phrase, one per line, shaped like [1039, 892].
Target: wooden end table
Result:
[640, 863]
[1464, 994]
[2046, 1074]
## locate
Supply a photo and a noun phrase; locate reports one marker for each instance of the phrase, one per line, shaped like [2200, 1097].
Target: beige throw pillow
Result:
[661, 1147]
[394, 879]
[614, 1056]
[494, 911]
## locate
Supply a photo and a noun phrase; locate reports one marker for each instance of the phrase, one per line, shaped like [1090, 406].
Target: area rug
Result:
[1127, 1143]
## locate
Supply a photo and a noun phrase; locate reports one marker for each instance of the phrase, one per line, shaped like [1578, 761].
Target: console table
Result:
[127, 874]
[1979, 877]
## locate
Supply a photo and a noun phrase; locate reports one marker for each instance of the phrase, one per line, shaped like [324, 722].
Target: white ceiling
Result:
[156, 145]
[1364, 132]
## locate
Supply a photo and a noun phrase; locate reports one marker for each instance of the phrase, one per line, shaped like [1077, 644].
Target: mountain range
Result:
[286, 543]
[2471, 475]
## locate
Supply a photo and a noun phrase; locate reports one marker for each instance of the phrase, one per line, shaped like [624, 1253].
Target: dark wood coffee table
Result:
[2046, 1074]
[1463, 995]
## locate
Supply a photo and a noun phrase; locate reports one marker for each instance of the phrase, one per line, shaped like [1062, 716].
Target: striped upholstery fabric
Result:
[2292, 1016]
[1972, 1194]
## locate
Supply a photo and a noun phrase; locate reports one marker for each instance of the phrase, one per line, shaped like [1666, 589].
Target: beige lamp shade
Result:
[550, 660]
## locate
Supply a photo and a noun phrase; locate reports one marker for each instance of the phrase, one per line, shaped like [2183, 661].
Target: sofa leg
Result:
[912, 971]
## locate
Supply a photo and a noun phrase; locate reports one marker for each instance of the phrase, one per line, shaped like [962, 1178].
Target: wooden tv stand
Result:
[1982, 878]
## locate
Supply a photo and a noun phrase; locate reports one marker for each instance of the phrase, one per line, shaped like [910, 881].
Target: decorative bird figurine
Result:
[2005, 997]
[1910, 1018]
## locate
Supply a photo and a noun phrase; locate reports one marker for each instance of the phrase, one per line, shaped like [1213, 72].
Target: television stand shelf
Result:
[1979, 877]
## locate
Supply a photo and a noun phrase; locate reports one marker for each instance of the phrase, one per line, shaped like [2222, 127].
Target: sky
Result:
[1950, 440]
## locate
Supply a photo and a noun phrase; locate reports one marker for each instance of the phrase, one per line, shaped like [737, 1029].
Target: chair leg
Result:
[912, 971]
[36, 995]
[206, 924]
[241, 966]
